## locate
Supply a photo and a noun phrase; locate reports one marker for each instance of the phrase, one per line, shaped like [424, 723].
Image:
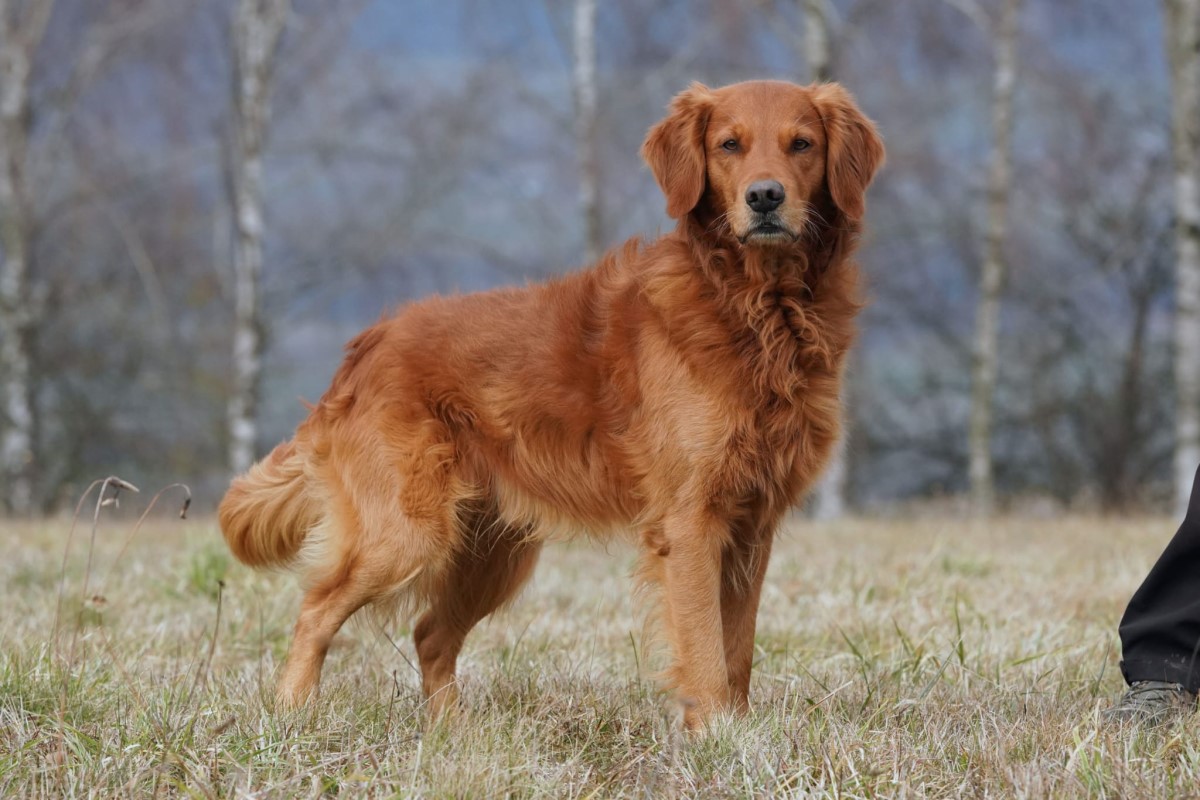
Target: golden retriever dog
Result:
[683, 390]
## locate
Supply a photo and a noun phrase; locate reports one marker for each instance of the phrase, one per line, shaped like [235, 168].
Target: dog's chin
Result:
[768, 234]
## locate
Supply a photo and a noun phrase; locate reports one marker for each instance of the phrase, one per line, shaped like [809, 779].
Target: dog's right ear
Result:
[674, 149]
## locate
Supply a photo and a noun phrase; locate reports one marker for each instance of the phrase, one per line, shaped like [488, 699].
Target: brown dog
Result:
[685, 389]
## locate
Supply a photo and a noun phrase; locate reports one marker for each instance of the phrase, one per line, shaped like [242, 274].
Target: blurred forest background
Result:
[186, 180]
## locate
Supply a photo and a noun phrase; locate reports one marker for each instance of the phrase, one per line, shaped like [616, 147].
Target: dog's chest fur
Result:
[765, 351]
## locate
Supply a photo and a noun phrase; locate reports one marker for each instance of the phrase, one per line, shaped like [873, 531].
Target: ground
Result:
[915, 657]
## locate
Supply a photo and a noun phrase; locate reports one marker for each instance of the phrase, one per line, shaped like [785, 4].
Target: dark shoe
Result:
[1151, 703]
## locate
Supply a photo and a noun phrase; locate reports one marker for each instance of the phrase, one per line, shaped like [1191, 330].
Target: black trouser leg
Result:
[1160, 632]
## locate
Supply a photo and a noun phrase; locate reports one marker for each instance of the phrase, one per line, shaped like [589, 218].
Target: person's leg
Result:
[1160, 631]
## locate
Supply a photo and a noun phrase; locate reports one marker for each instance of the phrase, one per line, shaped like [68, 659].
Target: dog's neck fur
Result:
[778, 302]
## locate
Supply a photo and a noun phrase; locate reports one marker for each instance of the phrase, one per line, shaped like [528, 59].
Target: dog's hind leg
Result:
[325, 608]
[377, 567]
[389, 530]
[485, 574]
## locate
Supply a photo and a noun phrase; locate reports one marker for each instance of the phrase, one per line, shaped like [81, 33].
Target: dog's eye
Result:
[800, 145]
[730, 145]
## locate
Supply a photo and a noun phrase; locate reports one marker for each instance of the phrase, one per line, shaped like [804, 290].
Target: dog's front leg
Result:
[692, 592]
[742, 569]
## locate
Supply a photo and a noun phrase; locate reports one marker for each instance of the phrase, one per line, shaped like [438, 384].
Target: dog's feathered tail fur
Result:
[269, 510]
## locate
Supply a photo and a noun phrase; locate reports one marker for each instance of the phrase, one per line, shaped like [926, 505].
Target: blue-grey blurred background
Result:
[420, 146]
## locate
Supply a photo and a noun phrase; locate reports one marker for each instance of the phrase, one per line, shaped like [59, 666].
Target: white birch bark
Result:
[21, 30]
[816, 41]
[257, 27]
[829, 499]
[829, 496]
[1183, 53]
[584, 86]
[984, 355]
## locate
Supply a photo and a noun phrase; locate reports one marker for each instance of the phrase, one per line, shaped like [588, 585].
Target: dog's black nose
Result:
[764, 196]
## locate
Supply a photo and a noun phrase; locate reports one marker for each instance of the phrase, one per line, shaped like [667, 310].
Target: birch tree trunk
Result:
[1183, 54]
[816, 41]
[257, 27]
[984, 355]
[21, 31]
[829, 497]
[584, 85]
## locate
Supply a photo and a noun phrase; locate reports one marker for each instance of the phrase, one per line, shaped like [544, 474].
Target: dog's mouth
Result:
[770, 230]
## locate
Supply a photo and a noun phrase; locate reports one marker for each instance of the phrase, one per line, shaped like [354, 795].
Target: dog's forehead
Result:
[764, 104]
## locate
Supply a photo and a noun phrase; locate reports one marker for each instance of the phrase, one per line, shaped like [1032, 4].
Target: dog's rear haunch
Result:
[684, 390]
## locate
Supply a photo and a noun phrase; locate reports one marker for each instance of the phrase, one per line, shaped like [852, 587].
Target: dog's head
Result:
[764, 161]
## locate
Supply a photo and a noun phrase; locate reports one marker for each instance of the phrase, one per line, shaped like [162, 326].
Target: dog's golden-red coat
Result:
[685, 389]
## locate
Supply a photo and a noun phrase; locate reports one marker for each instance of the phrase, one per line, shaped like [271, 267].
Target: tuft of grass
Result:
[927, 658]
[206, 571]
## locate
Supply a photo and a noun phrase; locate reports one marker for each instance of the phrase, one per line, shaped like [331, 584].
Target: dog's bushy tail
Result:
[268, 511]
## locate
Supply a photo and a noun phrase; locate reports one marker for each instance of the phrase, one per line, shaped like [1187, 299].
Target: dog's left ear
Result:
[674, 149]
[854, 150]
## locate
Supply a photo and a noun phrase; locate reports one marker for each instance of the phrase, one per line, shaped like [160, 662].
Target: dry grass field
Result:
[914, 658]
